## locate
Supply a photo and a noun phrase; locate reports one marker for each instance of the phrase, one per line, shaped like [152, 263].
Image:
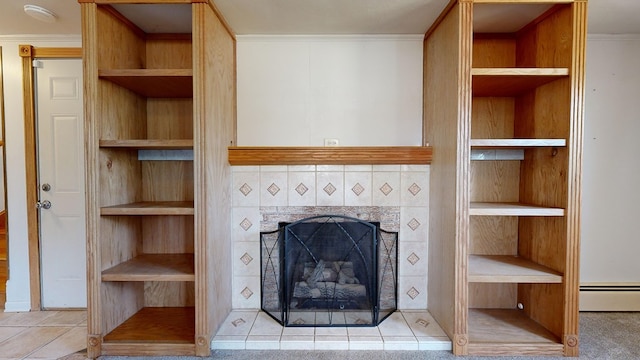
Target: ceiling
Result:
[313, 16]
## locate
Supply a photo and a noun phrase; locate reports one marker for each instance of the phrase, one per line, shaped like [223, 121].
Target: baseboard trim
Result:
[17, 306]
[610, 298]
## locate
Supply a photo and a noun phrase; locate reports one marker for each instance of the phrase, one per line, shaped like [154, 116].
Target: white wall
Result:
[611, 170]
[299, 90]
[18, 294]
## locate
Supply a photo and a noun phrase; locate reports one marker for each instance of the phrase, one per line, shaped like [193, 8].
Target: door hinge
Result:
[37, 64]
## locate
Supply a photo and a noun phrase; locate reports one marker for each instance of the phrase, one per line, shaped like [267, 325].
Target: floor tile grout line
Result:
[43, 345]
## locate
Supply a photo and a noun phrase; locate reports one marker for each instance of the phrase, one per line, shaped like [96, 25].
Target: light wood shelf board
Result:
[513, 349]
[330, 155]
[150, 208]
[512, 209]
[512, 81]
[170, 325]
[516, 143]
[153, 267]
[149, 144]
[157, 349]
[509, 331]
[509, 269]
[156, 83]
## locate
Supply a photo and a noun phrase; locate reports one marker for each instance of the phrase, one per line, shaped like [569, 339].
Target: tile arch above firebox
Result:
[394, 193]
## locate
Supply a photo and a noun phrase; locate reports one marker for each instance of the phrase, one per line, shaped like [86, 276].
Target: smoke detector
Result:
[40, 13]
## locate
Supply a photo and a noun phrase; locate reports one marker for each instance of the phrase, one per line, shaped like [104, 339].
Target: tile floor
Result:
[403, 330]
[43, 335]
[48, 335]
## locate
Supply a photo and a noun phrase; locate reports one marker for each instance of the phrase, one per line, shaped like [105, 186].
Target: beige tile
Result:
[330, 342]
[10, 331]
[229, 342]
[30, 340]
[395, 325]
[25, 318]
[296, 342]
[65, 318]
[265, 325]
[238, 323]
[68, 343]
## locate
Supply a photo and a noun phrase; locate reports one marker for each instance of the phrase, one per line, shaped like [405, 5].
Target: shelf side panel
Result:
[447, 83]
[113, 36]
[492, 118]
[170, 180]
[214, 131]
[169, 294]
[493, 295]
[543, 303]
[548, 43]
[168, 234]
[494, 181]
[169, 118]
[493, 235]
[119, 301]
[169, 52]
[550, 112]
[494, 51]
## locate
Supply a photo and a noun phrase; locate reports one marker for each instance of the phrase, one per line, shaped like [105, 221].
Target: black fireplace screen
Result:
[329, 271]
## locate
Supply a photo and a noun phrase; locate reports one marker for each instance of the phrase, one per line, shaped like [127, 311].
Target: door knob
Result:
[46, 187]
[43, 205]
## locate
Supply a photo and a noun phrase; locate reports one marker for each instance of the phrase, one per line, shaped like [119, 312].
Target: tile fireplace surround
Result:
[395, 195]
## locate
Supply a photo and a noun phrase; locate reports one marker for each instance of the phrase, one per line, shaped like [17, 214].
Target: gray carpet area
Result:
[602, 336]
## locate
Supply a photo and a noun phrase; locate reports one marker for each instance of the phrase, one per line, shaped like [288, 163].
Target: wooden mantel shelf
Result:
[339, 155]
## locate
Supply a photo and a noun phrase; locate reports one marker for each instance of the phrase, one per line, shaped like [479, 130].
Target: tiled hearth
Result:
[405, 330]
[395, 195]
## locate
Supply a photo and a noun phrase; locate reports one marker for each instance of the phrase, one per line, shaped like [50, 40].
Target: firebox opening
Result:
[329, 270]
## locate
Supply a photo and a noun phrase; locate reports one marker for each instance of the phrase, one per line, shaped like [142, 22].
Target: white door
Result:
[61, 183]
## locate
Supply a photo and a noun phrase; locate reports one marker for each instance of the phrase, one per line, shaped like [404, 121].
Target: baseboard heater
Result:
[610, 297]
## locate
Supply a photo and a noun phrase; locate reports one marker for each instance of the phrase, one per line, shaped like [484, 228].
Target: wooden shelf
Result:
[153, 267]
[512, 209]
[150, 208]
[509, 332]
[512, 81]
[516, 143]
[149, 144]
[155, 83]
[383, 155]
[509, 269]
[171, 325]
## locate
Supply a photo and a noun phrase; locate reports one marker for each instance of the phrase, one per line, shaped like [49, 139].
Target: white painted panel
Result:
[610, 242]
[18, 294]
[61, 165]
[64, 88]
[298, 91]
[66, 133]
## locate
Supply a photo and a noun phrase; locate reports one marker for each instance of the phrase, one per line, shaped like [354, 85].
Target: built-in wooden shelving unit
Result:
[151, 206]
[508, 223]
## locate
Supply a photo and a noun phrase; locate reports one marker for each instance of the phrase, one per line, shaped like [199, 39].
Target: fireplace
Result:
[329, 270]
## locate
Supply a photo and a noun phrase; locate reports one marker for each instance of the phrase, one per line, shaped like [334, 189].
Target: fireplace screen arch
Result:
[329, 270]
